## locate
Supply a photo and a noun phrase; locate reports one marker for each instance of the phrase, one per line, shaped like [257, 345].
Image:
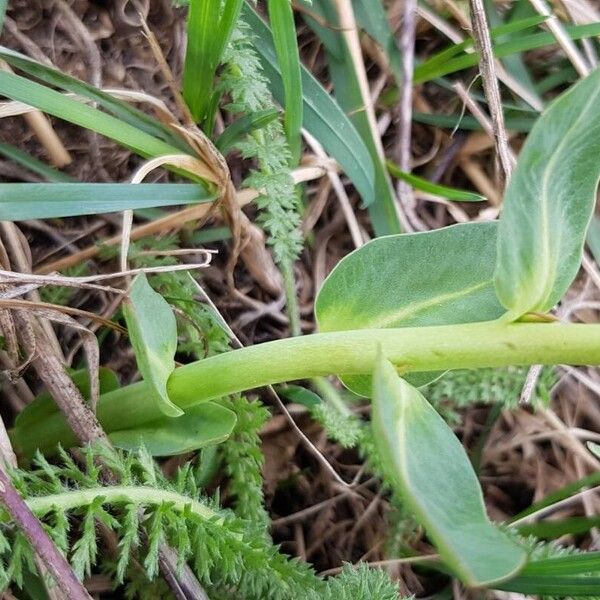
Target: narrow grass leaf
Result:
[441, 277]
[371, 17]
[514, 64]
[460, 121]
[117, 108]
[433, 188]
[153, 333]
[571, 564]
[200, 426]
[281, 18]
[347, 91]
[555, 529]
[323, 117]
[427, 465]
[34, 165]
[58, 105]
[442, 58]
[559, 587]
[210, 24]
[20, 201]
[243, 126]
[549, 202]
[424, 73]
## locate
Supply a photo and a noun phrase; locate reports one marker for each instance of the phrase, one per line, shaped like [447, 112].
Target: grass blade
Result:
[209, 29]
[323, 117]
[20, 201]
[433, 188]
[424, 73]
[549, 202]
[58, 105]
[34, 165]
[384, 217]
[283, 28]
[117, 108]
[425, 462]
[561, 587]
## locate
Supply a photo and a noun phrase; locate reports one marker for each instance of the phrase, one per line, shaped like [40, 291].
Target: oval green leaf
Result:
[440, 277]
[549, 202]
[429, 468]
[200, 426]
[153, 332]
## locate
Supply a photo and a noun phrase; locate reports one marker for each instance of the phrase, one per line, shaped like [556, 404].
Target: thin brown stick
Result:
[407, 47]
[33, 530]
[487, 69]
[562, 37]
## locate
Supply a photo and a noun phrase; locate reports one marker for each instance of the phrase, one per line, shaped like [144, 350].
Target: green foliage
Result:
[243, 80]
[153, 333]
[349, 95]
[361, 583]
[549, 203]
[444, 277]
[464, 387]
[243, 460]
[210, 24]
[323, 117]
[425, 462]
[281, 16]
[225, 551]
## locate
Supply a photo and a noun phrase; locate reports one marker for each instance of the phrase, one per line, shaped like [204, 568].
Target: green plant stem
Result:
[477, 345]
[139, 495]
[292, 308]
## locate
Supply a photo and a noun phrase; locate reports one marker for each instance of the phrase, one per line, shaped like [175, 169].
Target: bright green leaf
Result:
[153, 333]
[433, 188]
[424, 72]
[117, 108]
[210, 24]
[281, 18]
[427, 465]
[200, 426]
[441, 277]
[549, 202]
[19, 201]
[54, 103]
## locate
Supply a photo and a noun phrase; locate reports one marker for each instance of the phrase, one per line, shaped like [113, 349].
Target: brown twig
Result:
[407, 47]
[487, 69]
[28, 523]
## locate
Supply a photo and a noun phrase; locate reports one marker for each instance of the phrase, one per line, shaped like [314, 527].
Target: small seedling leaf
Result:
[441, 277]
[200, 426]
[427, 465]
[153, 333]
[549, 202]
